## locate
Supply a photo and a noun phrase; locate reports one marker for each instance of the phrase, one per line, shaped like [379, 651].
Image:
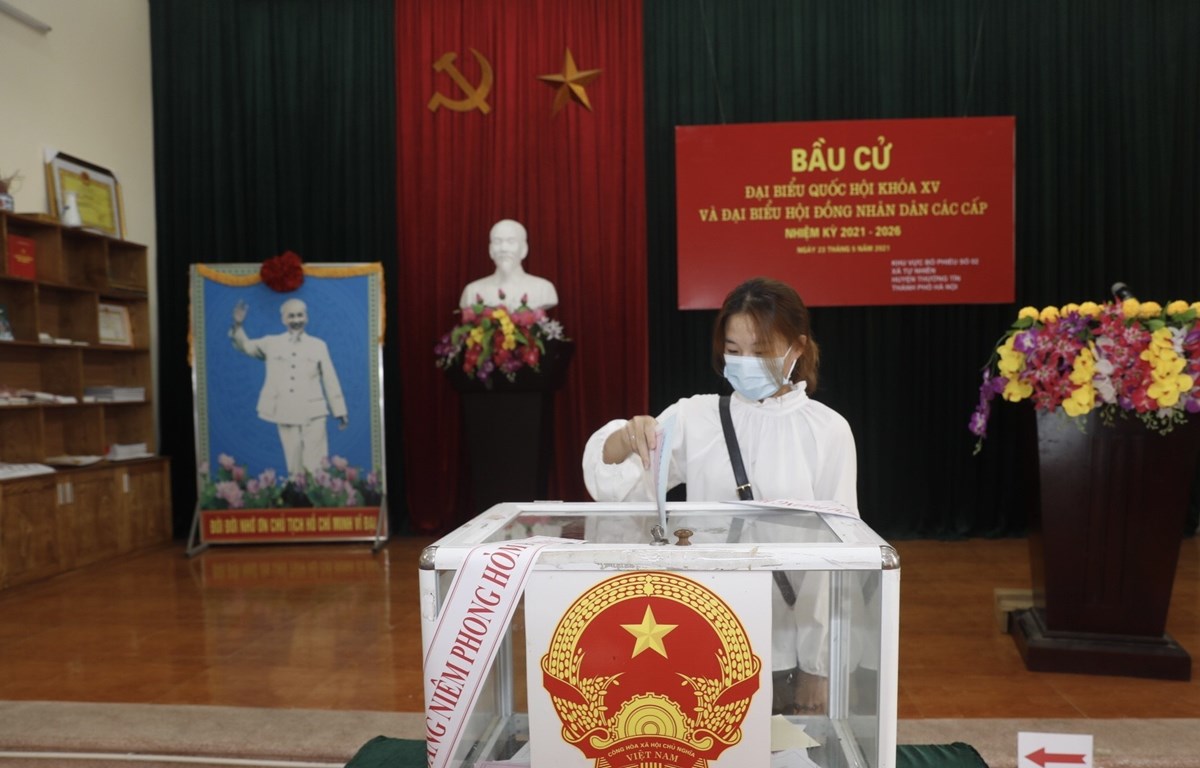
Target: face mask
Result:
[751, 377]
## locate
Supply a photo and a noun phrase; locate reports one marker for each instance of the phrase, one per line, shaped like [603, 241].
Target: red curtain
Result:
[574, 179]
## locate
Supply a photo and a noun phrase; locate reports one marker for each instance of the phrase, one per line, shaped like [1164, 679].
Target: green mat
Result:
[382, 752]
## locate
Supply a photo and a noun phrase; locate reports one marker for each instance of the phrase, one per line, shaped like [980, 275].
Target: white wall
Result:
[83, 88]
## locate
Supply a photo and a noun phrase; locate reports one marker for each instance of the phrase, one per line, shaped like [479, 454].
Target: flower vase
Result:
[1108, 506]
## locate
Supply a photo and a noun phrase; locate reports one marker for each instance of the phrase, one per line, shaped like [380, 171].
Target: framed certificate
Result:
[114, 325]
[97, 193]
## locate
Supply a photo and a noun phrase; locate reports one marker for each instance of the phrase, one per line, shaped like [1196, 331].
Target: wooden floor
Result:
[335, 627]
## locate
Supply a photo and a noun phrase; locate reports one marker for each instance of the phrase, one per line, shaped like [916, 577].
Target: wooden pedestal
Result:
[1108, 507]
[508, 428]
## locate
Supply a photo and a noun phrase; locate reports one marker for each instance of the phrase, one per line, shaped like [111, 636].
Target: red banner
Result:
[231, 526]
[864, 212]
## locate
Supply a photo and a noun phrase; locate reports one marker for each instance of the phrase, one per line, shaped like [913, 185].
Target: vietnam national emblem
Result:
[649, 670]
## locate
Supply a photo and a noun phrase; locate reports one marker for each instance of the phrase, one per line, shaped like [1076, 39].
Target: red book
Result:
[22, 252]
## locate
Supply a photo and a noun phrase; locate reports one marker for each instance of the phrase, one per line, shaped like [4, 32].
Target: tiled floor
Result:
[335, 627]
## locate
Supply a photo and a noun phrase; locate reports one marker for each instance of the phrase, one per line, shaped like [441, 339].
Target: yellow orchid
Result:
[1016, 390]
[1084, 367]
[1149, 309]
[1081, 401]
[1011, 361]
[1167, 391]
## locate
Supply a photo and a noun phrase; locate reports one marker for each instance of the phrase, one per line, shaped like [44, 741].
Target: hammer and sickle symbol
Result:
[476, 97]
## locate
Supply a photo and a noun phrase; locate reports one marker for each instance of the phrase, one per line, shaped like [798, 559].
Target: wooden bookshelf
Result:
[51, 523]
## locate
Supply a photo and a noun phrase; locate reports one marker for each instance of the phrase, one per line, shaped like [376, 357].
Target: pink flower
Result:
[231, 493]
[225, 460]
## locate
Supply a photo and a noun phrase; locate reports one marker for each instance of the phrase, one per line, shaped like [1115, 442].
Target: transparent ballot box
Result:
[735, 633]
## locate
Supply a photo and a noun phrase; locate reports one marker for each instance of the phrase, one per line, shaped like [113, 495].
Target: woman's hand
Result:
[639, 435]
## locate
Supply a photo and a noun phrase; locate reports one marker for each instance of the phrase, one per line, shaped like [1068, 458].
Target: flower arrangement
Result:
[283, 273]
[491, 338]
[1124, 357]
[335, 484]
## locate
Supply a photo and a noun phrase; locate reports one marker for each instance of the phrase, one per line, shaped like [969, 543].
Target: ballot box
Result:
[607, 635]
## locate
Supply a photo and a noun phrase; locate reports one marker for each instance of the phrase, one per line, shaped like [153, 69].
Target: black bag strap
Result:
[744, 491]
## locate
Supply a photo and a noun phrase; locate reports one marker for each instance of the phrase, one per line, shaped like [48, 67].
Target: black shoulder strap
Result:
[745, 492]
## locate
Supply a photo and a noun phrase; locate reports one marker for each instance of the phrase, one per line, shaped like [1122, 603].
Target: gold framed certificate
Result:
[97, 193]
[114, 325]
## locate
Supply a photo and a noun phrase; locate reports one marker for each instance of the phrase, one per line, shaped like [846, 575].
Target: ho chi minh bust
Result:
[508, 247]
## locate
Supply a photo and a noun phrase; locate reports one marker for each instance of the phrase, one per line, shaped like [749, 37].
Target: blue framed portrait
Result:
[288, 388]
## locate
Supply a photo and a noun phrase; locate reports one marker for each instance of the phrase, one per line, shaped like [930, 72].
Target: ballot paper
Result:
[788, 735]
[828, 507]
[660, 466]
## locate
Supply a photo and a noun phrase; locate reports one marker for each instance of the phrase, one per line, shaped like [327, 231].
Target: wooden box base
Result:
[1044, 650]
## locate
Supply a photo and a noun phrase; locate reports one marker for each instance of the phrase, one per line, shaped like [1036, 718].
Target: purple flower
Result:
[979, 420]
[1025, 341]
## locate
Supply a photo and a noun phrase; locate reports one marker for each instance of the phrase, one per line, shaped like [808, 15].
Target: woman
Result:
[792, 447]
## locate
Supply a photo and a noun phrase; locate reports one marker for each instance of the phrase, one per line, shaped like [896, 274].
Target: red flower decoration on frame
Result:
[283, 273]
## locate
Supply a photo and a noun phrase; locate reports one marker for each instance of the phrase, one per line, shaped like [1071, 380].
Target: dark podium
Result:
[508, 428]
[1108, 506]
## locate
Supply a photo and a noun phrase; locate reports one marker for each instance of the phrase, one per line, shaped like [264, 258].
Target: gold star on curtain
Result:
[649, 634]
[570, 83]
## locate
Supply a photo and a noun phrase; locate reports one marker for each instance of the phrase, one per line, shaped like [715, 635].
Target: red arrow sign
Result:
[1042, 757]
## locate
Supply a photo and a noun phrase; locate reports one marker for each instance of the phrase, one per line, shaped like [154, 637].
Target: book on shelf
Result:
[8, 471]
[73, 460]
[113, 394]
[121, 451]
[22, 255]
[6, 331]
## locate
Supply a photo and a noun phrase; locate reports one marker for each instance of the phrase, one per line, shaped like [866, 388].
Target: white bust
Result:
[508, 247]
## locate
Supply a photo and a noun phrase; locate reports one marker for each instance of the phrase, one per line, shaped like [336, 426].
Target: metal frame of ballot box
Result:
[858, 728]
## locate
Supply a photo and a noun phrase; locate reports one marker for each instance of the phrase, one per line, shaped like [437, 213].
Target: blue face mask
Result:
[751, 376]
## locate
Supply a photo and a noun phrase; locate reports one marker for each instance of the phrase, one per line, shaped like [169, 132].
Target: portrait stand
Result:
[508, 428]
[288, 406]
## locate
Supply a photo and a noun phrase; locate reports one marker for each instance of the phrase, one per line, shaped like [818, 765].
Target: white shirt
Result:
[792, 446]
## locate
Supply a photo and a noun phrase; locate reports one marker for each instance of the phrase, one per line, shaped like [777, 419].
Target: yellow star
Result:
[649, 634]
[570, 84]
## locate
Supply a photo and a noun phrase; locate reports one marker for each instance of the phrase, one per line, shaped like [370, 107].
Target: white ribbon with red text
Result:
[472, 622]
